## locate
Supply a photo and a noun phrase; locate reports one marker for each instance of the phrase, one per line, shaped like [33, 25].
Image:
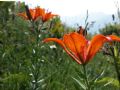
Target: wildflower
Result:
[79, 48]
[53, 46]
[34, 13]
[47, 16]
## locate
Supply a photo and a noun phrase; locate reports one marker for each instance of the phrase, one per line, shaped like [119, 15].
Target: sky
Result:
[76, 7]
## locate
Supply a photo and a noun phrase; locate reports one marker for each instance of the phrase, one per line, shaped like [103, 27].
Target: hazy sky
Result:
[76, 7]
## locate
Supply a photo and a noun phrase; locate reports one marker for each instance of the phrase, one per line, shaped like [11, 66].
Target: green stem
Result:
[117, 69]
[33, 27]
[35, 47]
[86, 78]
[116, 59]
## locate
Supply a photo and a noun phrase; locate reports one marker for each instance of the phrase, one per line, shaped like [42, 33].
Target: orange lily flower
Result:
[47, 16]
[35, 13]
[80, 49]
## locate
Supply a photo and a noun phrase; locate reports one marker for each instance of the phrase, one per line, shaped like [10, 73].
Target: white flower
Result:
[42, 46]
[34, 51]
[39, 36]
[53, 46]
[42, 60]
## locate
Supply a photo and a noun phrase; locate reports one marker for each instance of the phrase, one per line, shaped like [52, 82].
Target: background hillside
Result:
[99, 19]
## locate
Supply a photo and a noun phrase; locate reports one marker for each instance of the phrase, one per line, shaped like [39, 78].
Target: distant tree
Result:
[111, 29]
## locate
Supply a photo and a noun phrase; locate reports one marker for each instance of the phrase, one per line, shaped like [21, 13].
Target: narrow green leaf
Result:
[79, 83]
[108, 81]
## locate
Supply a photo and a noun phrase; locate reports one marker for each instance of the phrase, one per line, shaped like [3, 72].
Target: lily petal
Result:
[69, 43]
[80, 44]
[60, 42]
[47, 16]
[114, 38]
[33, 12]
[23, 15]
[39, 12]
[95, 44]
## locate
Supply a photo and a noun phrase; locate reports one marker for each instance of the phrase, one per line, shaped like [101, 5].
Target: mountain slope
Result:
[100, 20]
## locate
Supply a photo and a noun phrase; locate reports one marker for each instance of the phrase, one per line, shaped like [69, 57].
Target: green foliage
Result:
[111, 29]
[5, 11]
[14, 81]
[108, 80]
[113, 51]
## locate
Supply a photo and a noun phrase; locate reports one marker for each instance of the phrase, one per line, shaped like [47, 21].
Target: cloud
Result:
[75, 7]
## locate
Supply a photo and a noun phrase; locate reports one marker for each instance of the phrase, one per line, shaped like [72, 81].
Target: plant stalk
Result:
[86, 78]
[117, 69]
[116, 59]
